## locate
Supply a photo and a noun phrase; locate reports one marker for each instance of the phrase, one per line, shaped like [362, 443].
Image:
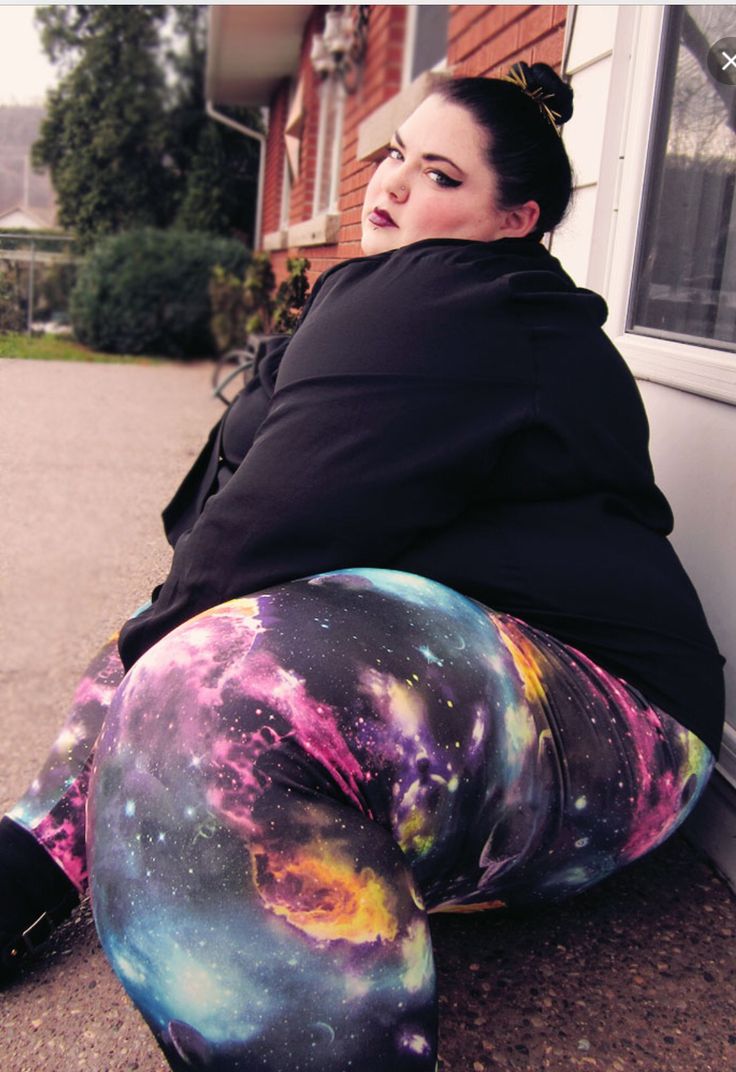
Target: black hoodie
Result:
[452, 409]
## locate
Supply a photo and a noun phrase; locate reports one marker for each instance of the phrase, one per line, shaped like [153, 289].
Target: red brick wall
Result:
[302, 190]
[275, 153]
[380, 79]
[483, 40]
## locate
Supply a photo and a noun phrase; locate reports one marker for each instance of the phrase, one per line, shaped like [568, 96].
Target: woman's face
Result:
[436, 182]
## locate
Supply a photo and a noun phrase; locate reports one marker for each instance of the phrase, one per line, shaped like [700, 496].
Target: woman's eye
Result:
[441, 179]
[394, 153]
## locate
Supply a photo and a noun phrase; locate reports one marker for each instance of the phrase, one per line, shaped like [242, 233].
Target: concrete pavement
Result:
[639, 974]
[88, 456]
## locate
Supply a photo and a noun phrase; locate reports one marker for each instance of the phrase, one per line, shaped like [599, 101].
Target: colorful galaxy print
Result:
[53, 806]
[287, 784]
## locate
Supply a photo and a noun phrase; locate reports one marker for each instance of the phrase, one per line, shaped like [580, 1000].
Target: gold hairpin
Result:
[517, 77]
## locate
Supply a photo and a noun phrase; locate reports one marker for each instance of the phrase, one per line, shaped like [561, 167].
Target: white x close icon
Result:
[730, 61]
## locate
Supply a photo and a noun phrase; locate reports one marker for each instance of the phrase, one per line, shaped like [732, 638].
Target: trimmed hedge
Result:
[147, 291]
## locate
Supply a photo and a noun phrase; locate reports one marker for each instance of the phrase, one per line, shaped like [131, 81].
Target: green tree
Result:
[127, 138]
[217, 166]
[104, 136]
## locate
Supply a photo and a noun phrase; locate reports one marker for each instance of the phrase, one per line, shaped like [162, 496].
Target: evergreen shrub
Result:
[241, 307]
[147, 291]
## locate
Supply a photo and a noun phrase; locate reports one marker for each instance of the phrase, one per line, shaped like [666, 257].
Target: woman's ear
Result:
[519, 221]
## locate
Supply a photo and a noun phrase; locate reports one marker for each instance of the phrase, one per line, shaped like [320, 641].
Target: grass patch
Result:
[55, 348]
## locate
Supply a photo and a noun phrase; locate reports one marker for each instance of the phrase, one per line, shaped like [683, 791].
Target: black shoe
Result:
[35, 896]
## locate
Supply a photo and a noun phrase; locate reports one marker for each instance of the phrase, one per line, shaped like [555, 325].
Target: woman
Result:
[475, 673]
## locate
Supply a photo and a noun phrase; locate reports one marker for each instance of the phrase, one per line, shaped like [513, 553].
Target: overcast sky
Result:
[25, 73]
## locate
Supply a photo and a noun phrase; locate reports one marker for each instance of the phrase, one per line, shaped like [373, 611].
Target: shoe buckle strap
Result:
[35, 936]
[39, 932]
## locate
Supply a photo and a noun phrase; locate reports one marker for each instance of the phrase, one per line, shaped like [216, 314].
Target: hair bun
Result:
[546, 87]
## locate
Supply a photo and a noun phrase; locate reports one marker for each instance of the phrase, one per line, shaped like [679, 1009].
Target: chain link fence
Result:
[37, 274]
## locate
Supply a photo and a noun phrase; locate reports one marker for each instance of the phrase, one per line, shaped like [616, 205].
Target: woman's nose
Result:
[397, 188]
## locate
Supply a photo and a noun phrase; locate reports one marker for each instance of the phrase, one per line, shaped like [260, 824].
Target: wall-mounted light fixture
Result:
[339, 50]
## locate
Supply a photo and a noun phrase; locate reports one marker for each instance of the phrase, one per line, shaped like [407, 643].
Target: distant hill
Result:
[19, 184]
[20, 124]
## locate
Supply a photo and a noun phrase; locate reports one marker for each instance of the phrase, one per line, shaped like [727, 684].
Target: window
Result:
[426, 39]
[329, 146]
[293, 131]
[685, 269]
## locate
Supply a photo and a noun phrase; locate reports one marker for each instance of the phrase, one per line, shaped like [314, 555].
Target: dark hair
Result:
[525, 149]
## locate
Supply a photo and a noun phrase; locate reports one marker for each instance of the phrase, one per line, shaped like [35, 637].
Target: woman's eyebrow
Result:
[430, 157]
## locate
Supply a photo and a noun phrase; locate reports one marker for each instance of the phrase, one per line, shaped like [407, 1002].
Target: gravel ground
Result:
[638, 974]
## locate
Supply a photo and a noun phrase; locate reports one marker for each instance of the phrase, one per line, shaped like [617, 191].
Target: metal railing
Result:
[22, 248]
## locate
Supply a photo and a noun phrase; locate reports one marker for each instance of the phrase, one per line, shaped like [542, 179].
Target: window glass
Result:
[427, 40]
[285, 206]
[685, 282]
[329, 146]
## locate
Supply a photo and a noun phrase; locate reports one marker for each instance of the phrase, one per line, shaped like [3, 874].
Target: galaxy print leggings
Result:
[286, 785]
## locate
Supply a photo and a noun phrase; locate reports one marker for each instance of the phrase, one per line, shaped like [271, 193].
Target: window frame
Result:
[698, 369]
[294, 104]
[323, 226]
[285, 202]
[410, 41]
[329, 151]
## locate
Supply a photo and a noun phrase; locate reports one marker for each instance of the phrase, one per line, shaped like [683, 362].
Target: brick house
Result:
[652, 228]
[311, 202]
